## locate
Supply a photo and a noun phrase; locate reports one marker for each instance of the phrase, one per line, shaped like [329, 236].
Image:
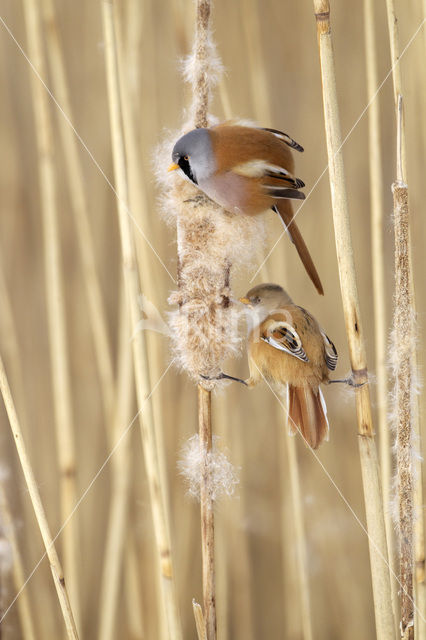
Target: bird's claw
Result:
[223, 376]
[349, 381]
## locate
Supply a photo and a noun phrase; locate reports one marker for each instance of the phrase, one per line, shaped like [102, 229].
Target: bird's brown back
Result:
[235, 144]
[282, 366]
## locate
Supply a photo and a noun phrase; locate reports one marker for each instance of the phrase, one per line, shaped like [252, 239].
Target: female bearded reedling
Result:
[246, 170]
[287, 346]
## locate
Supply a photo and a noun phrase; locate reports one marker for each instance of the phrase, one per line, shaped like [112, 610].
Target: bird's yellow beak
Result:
[173, 167]
[245, 300]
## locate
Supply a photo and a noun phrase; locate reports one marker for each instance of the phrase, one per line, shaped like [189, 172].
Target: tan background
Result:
[257, 589]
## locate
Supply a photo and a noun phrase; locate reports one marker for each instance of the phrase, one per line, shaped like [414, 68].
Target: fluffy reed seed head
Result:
[223, 474]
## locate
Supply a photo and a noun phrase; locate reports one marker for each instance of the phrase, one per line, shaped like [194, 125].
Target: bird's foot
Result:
[350, 381]
[224, 376]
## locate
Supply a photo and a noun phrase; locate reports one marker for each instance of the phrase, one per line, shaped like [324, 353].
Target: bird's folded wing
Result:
[285, 138]
[282, 336]
[276, 181]
[331, 356]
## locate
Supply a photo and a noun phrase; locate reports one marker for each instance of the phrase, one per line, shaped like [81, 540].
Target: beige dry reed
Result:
[300, 537]
[26, 618]
[401, 174]
[368, 455]
[80, 208]
[120, 490]
[379, 281]
[403, 346]
[152, 452]
[55, 298]
[55, 565]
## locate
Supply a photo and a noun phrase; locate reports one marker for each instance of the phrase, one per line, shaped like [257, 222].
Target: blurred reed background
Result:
[269, 51]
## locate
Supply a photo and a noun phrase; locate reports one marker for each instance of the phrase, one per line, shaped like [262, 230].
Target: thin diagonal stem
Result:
[55, 565]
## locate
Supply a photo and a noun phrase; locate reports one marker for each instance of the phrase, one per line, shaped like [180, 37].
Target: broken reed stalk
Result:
[120, 490]
[63, 414]
[141, 366]
[368, 455]
[404, 343]
[300, 537]
[379, 283]
[80, 208]
[199, 621]
[55, 565]
[23, 603]
[396, 72]
[419, 535]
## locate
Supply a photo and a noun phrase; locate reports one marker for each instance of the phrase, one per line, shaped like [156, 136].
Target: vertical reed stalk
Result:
[121, 469]
[133, 591]
[368, 455]
[300, 537]
[55, 565]
[419, 535]
[258, 79]
[139, 207]
[55, 301]
[404, 341]
[207, 513]
[379, 284]
[23, 603]
[141, 366]
[77, 190]
[396, 72]
[200, 104]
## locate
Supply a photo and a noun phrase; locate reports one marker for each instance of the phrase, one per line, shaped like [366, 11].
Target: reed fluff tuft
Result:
[211, 240]
[223, 474]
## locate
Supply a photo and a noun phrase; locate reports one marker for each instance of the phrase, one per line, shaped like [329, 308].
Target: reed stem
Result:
[80, 208]
[379, 282]
[300, 537]
[368, 455]
[120, 492]
[140, 359]
[55, 565]
[24, 608]
[401, 176]
[404, 339]
[207, 513]
[55, 302]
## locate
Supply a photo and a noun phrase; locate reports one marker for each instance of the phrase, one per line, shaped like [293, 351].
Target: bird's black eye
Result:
[255, 300]
[183, 162]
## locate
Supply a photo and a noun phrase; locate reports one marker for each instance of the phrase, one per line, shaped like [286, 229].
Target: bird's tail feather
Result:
[307, 414]
[285, 211]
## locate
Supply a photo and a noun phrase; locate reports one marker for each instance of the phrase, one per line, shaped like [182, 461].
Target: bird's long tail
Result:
[307, 414]
[285, 211]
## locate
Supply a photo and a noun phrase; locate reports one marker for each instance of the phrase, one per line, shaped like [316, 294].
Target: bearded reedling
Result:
[288, 347]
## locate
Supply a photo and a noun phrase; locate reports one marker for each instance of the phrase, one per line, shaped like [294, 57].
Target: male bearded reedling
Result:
[287, 346]
[246, 170]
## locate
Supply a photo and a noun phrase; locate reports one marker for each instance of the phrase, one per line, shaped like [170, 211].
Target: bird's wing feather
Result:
[277, 182]
[285, 138]
[282, 336]
[331, 356]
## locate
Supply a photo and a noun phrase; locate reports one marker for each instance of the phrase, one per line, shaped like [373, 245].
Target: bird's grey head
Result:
[194, 155]
[269, 297]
